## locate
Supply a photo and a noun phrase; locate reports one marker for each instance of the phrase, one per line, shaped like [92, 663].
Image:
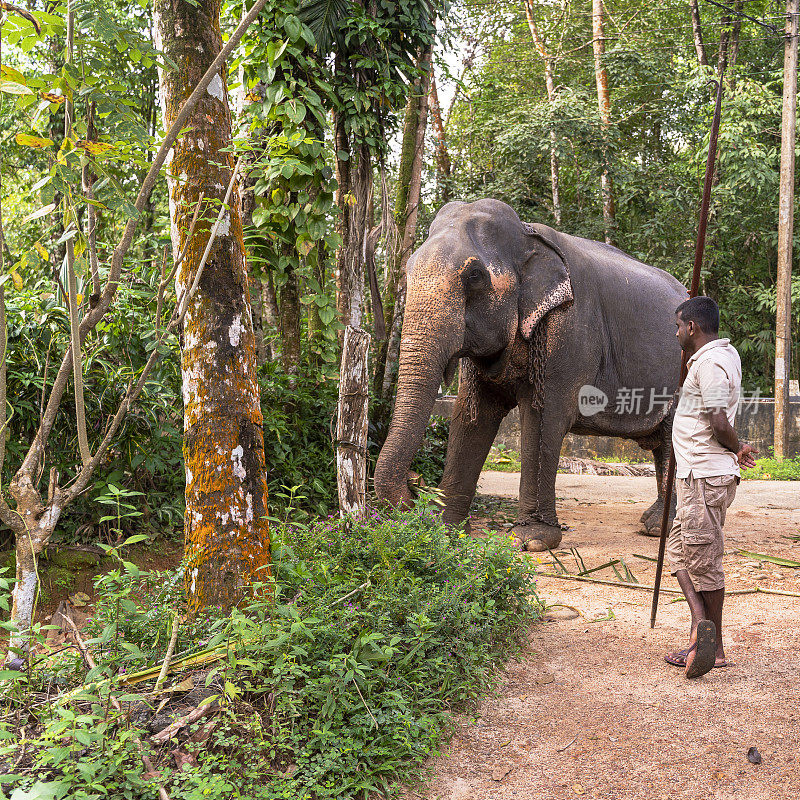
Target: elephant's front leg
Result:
[542, 434]
[473, 427]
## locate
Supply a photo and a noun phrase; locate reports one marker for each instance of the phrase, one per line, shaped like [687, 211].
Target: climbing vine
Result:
[287, 102]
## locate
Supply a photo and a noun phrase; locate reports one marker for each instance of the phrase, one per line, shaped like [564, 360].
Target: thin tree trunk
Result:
[604, 104]
[269, 305]
[443, 165]
[355, 183]
[352, 423]
[724, 42]
[290, 322]
[248, 207]
[549, 79]
[406, 210]
[733, 47]
[227, 533]
[697, 32]
[393, 350]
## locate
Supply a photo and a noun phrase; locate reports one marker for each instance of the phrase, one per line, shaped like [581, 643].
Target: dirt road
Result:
[590, 709]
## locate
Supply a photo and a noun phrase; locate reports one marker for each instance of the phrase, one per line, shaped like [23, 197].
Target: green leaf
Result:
[10, 87]
[51, 790]
[26, 140]
[783, 562]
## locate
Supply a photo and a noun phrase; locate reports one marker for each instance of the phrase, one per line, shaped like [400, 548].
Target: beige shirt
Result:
[714, 381]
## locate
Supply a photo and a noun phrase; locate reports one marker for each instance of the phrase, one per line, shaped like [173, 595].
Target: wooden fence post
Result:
[352, 423]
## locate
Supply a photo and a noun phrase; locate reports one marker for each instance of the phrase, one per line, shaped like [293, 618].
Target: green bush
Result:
[339, 676]
[770, 469]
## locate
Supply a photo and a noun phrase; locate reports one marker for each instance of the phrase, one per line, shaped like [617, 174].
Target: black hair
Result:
[703, 311]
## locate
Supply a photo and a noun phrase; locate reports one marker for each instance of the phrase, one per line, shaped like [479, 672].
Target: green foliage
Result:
[339, 687]
[113, 72]
[298, 413]
[502, 459]
[292, 223]
[146, 454]
[770, 469]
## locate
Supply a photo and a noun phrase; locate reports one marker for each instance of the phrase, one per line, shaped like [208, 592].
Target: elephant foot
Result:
[536, 536]
[651, 519]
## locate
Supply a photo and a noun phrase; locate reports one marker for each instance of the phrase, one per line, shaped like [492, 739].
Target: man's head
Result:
[697, 321]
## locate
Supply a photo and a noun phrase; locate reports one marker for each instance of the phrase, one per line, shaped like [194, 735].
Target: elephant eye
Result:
[474, 276]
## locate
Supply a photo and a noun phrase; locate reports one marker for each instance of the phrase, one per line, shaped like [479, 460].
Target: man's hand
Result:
[745, 456]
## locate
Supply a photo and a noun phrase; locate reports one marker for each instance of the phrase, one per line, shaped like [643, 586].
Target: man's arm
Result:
[714, 388]
[725, 434]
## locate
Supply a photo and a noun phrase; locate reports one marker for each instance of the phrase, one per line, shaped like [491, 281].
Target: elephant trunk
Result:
[422, 365]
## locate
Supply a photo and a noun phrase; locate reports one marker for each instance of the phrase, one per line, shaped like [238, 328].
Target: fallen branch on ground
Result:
[604, 582]
[756, 590]
[194, 715]
[148, 764]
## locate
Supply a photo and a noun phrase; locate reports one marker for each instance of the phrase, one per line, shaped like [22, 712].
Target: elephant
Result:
[555, 324]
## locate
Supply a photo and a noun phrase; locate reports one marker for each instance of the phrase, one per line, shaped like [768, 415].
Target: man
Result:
[708, 455]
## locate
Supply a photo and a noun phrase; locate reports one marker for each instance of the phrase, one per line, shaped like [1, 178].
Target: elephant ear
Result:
[544, 282]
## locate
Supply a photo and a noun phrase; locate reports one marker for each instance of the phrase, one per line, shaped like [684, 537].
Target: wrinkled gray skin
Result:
[486, 287]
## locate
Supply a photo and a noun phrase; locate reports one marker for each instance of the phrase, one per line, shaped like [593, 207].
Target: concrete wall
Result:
[754, 424]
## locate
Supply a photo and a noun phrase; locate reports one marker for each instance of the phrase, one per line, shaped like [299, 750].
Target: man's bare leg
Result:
[713, 601]
[699, 612]
[697, 607]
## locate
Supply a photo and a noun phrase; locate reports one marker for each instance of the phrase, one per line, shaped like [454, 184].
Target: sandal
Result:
[705, 648]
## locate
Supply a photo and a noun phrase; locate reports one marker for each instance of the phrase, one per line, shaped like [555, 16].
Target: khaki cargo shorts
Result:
[695, 541]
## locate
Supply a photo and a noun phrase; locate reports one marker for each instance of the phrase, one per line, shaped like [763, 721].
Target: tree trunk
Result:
[352, 423]
[697, 32]
[604, 104]
[733, 44]
[393, 346]
[443, 165]
[406, 210]
[263, 353]
[549, 79]
[227, 533]
[354, 176]
[290, 322]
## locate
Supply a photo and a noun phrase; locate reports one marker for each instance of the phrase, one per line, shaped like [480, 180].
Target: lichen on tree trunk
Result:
[226, 530]
[352, 423]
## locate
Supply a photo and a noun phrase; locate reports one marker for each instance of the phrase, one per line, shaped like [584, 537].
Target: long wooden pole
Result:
[783, 321]
[693, 290]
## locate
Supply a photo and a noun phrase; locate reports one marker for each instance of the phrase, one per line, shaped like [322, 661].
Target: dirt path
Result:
[590, 709]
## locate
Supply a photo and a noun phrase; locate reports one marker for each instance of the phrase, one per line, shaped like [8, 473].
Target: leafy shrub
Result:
[339, 676]
[146, 454]
[771, 469]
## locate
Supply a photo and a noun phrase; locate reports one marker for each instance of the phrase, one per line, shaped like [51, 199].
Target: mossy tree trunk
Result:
[227, 533]
[406, 210]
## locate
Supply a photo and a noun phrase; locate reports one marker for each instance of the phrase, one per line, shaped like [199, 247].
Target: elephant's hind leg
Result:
[651, 519]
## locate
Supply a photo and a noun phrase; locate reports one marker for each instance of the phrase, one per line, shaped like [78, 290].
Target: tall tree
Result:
[406, 210]
[227, 533]
[697, 33]
[443, 164]
[604, 105]
[549, 60]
